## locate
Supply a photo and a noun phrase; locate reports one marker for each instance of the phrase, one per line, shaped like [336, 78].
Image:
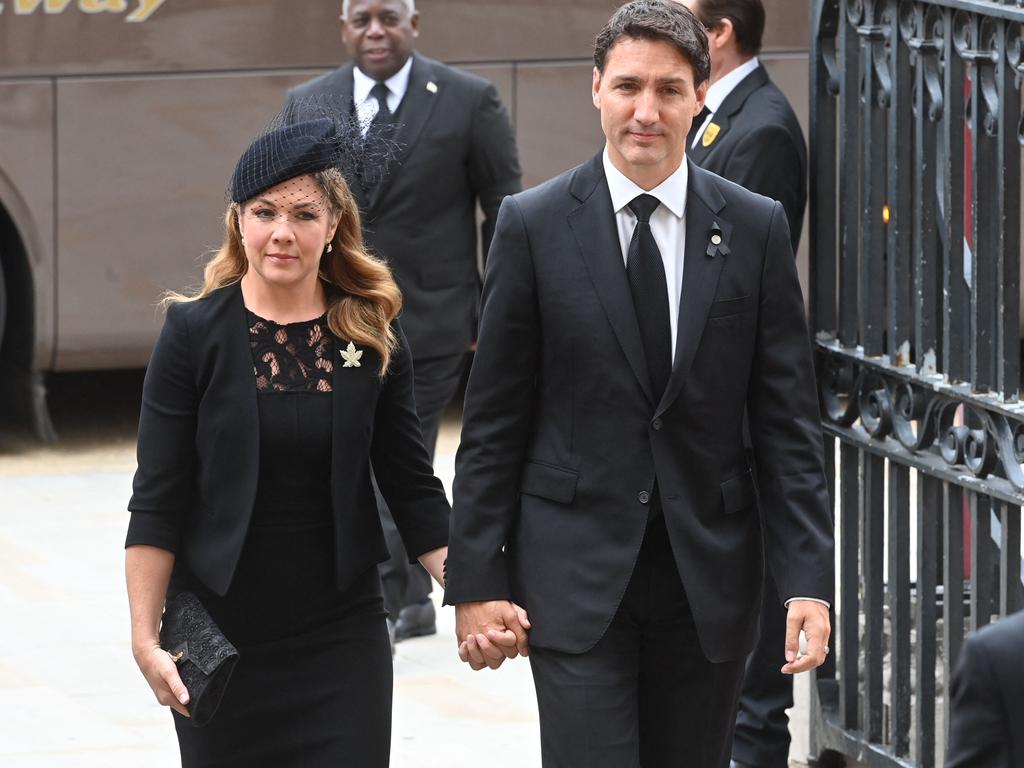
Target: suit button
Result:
[656, 424]
[644, 497]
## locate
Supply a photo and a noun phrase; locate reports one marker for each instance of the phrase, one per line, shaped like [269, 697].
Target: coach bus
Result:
[120, 121]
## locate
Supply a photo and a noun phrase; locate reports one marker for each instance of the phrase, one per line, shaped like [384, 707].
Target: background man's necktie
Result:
[645, 272]
[384, 115]
[371, 175]
[695, 127]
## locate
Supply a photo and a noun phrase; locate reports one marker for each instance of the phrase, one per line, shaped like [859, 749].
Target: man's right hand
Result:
[488, 632]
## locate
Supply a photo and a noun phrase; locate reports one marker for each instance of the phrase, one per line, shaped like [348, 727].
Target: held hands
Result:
[811, 617]
[488, 632]
[162, 675]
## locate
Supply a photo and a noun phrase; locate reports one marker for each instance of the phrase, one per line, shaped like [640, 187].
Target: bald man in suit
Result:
[456, 148]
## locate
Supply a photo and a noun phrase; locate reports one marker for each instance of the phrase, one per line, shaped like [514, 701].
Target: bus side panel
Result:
[144, 165]
[27, 194]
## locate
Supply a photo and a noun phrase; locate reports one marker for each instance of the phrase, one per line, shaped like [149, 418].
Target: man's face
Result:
[647, 100]
[379, 35]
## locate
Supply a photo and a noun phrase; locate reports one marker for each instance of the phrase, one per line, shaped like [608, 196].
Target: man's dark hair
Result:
[657, 20]
[747, 17]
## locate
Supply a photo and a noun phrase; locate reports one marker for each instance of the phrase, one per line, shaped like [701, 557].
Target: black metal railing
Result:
[916, 135]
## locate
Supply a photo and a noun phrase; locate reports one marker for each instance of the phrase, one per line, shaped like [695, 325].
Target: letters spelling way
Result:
[142, 11]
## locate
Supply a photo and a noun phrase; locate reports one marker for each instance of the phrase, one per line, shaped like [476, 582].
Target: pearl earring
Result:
[330, 247]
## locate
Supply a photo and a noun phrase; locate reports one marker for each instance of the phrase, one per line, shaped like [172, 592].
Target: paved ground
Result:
[70, 694]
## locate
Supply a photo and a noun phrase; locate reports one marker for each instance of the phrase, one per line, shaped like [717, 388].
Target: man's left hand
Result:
[812, 618]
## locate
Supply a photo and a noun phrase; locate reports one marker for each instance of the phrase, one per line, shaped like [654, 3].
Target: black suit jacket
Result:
[198, 449]
[562, 438]
[457, 146]
[986, 726]
[760, 146]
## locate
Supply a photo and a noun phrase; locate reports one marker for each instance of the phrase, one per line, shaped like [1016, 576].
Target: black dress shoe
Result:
[416, 620]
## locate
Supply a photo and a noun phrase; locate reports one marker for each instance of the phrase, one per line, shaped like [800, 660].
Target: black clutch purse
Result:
[205, 658]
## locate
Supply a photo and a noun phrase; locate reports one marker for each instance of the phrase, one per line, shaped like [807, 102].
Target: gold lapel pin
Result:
[710, 134]
[432, 86]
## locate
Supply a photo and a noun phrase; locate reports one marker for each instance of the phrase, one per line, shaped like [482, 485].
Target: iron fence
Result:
[915, 282]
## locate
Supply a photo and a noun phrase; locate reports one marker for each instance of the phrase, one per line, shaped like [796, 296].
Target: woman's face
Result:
[285, 231]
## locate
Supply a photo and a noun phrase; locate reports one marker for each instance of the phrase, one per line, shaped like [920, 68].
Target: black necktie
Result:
[384, 115]
[645, 272]
[370, 175]
[698, 121]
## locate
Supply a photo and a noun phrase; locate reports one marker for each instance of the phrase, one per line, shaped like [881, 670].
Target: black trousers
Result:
[436, 380]
[645, 695]
[762, 726]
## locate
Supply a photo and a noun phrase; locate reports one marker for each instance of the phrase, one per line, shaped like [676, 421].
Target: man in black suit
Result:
[456, 147]
[749, 134]
[633, 307]
[987, 699]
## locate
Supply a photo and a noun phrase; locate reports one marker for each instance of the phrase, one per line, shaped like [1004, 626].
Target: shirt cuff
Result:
[826, 603]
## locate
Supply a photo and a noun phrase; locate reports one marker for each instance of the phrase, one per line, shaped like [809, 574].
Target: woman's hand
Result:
[162, 675]
[147, 573]
[433, 561]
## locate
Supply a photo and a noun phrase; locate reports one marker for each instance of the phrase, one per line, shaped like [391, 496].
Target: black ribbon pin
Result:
[716, 242]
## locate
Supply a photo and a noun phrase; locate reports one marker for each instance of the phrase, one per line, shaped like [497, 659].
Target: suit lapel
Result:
[593, 225]
[343, 85]
[235, 355]
[700, 275]
[413, 113]
[722, 117]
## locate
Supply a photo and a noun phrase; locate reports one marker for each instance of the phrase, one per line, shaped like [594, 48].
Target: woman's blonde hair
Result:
[362, 296]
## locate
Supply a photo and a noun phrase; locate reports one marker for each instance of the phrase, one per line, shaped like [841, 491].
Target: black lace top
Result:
[294, 357]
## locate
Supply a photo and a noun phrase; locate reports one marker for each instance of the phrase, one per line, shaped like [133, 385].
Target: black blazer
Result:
[198, 449]
[760, 146]
[457, 146]
[986, 726]
[562, 438]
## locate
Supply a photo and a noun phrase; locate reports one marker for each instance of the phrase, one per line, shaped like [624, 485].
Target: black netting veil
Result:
[311, 135]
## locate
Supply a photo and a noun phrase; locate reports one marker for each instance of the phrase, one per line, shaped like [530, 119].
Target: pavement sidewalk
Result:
[70, 694]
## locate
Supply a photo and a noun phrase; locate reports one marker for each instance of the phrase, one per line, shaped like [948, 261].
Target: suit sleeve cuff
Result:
[826, 603]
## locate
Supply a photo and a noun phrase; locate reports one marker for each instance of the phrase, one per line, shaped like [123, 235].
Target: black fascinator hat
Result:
[308, 136]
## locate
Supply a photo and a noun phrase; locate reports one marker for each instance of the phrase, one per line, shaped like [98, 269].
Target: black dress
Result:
[313, 685]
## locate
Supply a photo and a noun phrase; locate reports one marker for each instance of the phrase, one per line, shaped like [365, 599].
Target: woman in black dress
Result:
[271, 398]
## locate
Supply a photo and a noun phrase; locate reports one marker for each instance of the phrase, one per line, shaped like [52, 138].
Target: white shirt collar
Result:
[671, 193]
[397, 85]
[718, 91]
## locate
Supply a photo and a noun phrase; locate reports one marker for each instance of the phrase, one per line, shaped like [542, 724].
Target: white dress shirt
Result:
[667, 226]
[720, 89]
[366, 105]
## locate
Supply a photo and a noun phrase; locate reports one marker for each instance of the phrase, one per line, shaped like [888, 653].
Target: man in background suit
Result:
[749, 134]
[986, 711]
[633, 308]
[456, 147]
